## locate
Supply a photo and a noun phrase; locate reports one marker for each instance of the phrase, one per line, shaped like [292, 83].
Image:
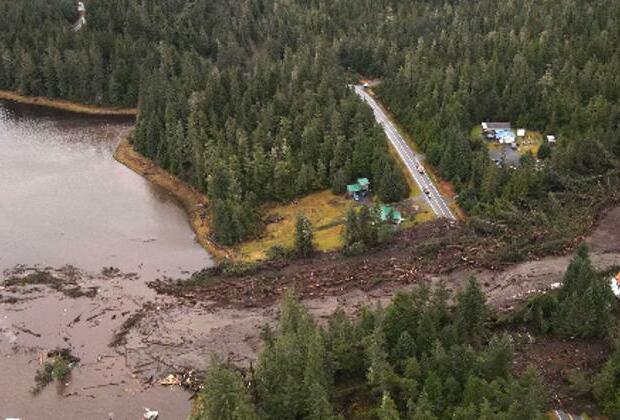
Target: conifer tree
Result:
[392, 184]
[471, 313]
[387, 410]
[224, 396]
[304, 237]
[586, 301]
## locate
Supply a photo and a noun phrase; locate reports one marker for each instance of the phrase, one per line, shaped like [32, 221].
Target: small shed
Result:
[521, 132]
[354, 189]
[390, 214]
[551, 139]
[364, 183]
[359, 190]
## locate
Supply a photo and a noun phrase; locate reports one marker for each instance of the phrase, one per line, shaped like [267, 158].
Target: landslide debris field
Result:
[440, 250]
[131, 338]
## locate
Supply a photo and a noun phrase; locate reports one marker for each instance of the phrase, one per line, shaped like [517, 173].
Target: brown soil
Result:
[226, 313]
[66, 105]
[397, 264]
[63, 280]
[430, 251]
[171, 334]
[556, 361]
[194, 202]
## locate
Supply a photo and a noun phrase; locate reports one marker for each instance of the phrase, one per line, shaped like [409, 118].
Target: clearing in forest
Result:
[326, 211]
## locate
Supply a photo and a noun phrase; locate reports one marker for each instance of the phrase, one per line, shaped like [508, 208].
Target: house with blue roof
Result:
[499, 131]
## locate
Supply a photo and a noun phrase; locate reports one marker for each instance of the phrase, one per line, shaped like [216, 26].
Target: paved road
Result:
[408, 156]
[561, 415]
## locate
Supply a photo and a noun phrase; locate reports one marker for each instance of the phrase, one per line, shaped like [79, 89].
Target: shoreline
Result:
[66, 105]
[194, 203]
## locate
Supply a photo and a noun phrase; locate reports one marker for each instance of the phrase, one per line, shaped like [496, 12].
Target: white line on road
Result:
[409, 158]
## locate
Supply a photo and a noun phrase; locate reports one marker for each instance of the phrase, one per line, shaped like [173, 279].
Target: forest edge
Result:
[194, 202]
[66, 105]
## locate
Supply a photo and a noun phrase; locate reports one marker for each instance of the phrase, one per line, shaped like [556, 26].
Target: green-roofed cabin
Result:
[354, 188]
[390, 214]
[359, 190]
[364, 183]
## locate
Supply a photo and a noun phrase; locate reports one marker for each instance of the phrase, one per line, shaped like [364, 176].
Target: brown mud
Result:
[42, 318]
[156, 335]
[556, 361]
[129, 338]
[226, 317]
[66, 105]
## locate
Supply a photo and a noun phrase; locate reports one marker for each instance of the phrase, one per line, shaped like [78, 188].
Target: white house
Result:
[521, 132]
[551, 139]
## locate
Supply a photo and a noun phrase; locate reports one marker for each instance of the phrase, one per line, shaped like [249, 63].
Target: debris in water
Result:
[189, 379]
[59, 365]
[170, 380]
[151, 414]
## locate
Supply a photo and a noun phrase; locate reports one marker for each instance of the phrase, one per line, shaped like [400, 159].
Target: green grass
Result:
[476, 132]
[326, 211]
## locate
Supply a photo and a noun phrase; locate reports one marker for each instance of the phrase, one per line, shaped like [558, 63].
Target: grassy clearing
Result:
[326, 211]
[66, 105]
[424, 214]
[476, 132]
[530, 143]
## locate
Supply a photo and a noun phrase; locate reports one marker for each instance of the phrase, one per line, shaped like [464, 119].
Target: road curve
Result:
[409, 158]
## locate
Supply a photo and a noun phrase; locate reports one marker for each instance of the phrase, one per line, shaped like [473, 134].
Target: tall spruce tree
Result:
[304, 237]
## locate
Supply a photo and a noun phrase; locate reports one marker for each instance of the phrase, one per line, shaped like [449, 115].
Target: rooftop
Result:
[496, 125]
[353, 188]
[364, 182]
[389, 213]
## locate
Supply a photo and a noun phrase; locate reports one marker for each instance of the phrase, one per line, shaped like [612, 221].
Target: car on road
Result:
[420, 169]
[427, 191]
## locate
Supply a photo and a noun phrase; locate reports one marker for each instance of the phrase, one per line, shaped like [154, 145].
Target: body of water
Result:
[64, 200]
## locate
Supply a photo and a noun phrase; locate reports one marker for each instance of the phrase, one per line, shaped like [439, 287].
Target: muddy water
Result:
[64, 200]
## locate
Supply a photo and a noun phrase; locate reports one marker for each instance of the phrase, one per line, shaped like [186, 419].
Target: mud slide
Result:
[129, 338]
[187, 334]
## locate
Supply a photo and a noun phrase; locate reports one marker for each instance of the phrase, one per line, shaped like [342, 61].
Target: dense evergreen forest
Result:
[419, 358]
[247, 100]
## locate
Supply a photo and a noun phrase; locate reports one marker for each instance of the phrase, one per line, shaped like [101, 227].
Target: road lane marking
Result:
[409, 158]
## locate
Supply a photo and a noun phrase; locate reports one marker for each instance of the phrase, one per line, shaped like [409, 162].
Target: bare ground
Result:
[169, 332]
[226, 318]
